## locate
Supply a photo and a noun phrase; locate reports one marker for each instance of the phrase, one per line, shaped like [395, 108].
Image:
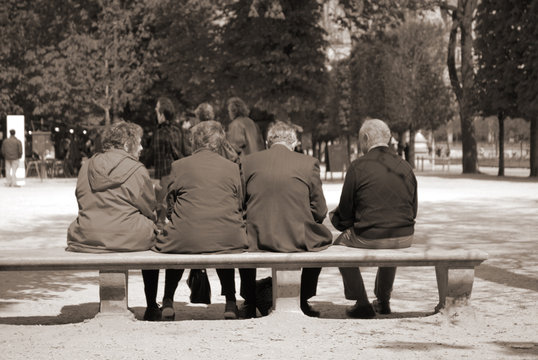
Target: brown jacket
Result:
[116, 201]
[285, 206]
[207, 216]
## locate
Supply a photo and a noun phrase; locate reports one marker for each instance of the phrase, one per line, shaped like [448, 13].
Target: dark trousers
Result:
[248, 284]
[354, 285]
[173, 276]
[352, 278]
[309, 283]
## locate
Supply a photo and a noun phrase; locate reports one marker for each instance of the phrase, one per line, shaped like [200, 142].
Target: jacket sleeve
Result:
[318, 206]
[145, 201]
[19, 149]
[343, 216]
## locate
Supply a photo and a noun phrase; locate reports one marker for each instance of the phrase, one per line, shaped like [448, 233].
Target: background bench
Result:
[454, 269]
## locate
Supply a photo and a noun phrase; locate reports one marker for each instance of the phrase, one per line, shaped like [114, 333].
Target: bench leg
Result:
[454, 285]
[286, 292]
[113, 293]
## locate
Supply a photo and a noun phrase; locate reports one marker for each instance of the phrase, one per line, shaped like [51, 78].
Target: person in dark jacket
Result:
[12, 153]
[207, 215]
[116, 200]
[166, 147]
[285, 205]
[377, 210]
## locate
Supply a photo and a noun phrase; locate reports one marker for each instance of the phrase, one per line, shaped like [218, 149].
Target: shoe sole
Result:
[168, 313]
[230, 315]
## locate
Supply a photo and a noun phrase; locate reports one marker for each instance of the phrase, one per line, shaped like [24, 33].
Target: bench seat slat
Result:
[59, 259]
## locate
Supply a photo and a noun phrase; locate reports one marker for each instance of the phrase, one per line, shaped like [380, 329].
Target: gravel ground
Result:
[51, 315]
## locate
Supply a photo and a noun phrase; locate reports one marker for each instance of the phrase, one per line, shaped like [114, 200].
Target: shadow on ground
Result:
[184, 312]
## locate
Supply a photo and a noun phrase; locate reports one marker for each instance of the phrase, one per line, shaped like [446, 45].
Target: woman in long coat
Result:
[207, 215]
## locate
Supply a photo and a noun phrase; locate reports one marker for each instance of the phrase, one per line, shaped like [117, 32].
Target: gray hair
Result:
[204, 112]
[122, 134]
[378, 133]
[207, 135]
[280, 132]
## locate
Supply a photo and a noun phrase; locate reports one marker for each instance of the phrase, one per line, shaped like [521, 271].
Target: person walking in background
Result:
[12, 153]
[206, 217]
[243, 133]
[285, 205]
[166, 147]
[377, 210]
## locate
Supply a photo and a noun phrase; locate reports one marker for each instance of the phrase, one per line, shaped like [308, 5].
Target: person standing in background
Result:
[243, 133]
[166, 147]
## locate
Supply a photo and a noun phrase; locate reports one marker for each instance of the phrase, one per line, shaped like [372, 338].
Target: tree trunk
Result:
[469, 152]
[462, 19]
[501, 118]
[534, 147]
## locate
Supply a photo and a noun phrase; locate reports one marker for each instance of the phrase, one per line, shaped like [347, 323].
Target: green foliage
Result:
[280, 66]
[398, 78]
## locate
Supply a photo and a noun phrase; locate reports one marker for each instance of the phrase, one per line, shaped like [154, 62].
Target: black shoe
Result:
[248, 311]
[168, 312]
[230, 310]
[382, 307]
[359, 311]
[308, 311]
[153, 314]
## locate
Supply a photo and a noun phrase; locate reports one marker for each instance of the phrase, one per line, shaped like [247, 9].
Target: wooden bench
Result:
[454, 269]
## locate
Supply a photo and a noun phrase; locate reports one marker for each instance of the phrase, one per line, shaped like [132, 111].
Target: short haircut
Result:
[378, 132]
[280, 132]
[12, 132]
[207, 135]
[166, 107]
[237, 108]
[204, 112]
[120, 135]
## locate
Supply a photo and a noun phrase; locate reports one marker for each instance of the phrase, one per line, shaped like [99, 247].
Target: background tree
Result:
[497, 73]
[507, 77]
[103, 68]
[280, 66]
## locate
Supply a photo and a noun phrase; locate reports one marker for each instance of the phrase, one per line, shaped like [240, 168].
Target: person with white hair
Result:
[285, 206]
[377, 210]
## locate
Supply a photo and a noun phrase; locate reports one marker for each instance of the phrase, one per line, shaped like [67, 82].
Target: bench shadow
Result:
[514, 348]
[69, 314]
[329, 310]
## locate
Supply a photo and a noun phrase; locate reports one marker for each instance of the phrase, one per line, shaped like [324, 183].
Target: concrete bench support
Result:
[454, 284]
[113, 290]
[286, 298]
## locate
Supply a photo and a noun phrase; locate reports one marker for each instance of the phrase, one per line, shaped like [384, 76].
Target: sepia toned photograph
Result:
[268, 179]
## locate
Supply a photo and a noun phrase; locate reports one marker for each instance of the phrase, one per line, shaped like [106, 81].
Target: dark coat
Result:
[285, 206]
[116, 201]
[207, 215]
[379, 196]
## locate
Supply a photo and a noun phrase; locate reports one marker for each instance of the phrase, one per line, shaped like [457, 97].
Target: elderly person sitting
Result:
[207, 215]
[377, 210]
[116, 200]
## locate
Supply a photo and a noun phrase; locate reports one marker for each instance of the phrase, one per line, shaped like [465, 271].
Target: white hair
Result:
[377, 131]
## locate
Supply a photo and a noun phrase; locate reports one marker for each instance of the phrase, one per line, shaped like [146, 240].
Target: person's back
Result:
[207, 214]
[116, 202]
[243, 133]
[12, 148]
[284, 201]
[385, 207]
